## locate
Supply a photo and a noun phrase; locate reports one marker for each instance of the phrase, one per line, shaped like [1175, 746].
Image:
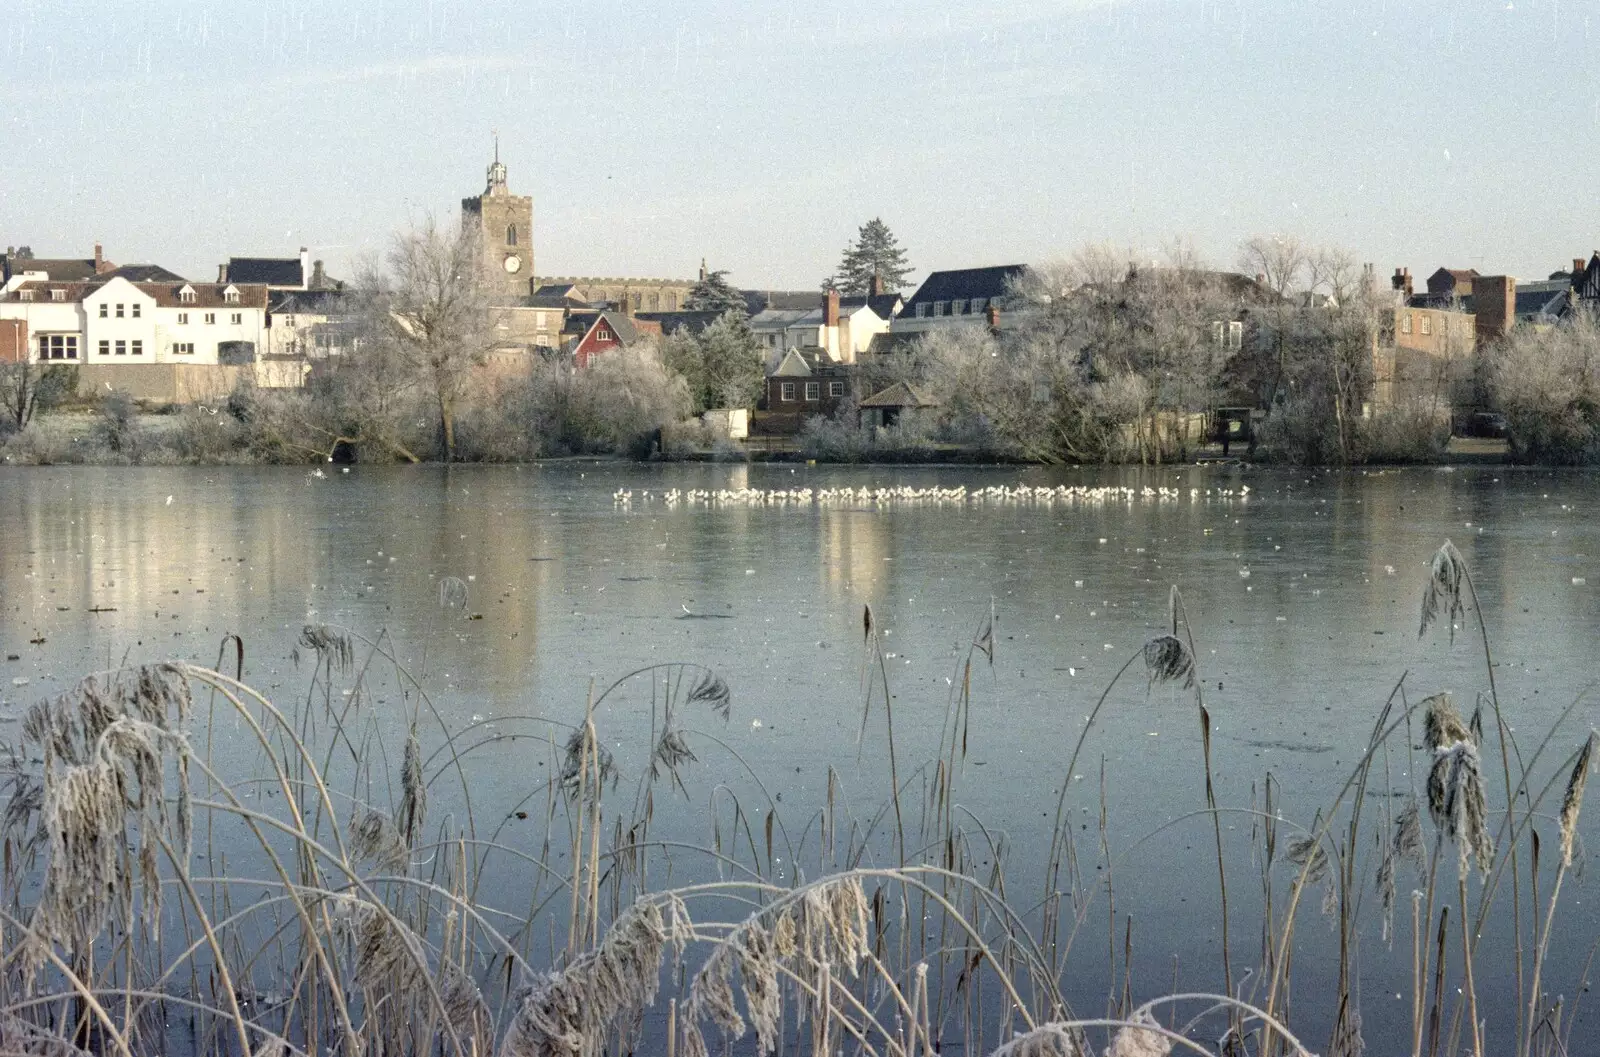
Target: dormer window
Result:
[186, 295]
[25, 295]
[58, 295]
[231, 295]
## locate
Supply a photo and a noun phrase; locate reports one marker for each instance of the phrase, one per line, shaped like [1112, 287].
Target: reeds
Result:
[341, 897]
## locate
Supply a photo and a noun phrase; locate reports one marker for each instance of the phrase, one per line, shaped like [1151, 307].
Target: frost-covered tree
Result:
[875, 252]
[721, 365]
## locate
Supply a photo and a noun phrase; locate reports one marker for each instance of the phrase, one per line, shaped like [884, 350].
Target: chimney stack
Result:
[305, 268]
[1494, 303]
[318, 280]
[1402, 282]
[100, 264]
[877, 284]
[222, 273]
[830, 308]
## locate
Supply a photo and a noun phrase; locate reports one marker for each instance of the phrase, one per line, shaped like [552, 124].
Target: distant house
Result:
[610, 330]
[14, 270]
[804, 384]
[1450, 283]
[278, 273]
[144, 273]
[309, 325]
[843, 332]
[965, 296]
[116, 323]
[693, 323]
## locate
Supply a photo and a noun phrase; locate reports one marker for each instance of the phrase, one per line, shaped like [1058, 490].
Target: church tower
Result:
[505, 223]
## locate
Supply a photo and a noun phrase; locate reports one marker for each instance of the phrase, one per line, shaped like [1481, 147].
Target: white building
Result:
[116, 322]
[842, 331]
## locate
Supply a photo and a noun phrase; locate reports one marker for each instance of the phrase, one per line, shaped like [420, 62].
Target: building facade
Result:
[117, 322]
[504, 222]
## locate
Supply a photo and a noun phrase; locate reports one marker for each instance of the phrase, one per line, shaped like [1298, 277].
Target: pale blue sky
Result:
[759, 135]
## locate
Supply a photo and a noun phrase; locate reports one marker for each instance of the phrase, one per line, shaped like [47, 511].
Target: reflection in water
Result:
[1296, 658]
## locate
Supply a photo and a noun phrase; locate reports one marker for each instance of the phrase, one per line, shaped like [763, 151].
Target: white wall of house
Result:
[180, 333]
[55, 321]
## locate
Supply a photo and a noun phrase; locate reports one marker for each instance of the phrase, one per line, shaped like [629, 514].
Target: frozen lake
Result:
[1303, 597]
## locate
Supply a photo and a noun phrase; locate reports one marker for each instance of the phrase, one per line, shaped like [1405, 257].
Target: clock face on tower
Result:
[513, 264]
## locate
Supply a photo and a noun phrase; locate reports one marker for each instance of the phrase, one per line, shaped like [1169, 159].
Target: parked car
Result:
[1486, 424]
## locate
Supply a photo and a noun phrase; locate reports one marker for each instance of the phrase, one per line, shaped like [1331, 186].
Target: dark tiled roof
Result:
[274, 271]
[884, 306]
[60, 269]
[311, 302]
[788, 300]
[964, 284]
[541, 300]
[206, 295]
[144, 273]
[672, 322]
[893, 342]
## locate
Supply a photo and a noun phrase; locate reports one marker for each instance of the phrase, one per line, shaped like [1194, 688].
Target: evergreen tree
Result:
[714, 293]
[722, 365]
[874, 252]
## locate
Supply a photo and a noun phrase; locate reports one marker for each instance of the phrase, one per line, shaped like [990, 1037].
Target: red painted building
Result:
[610, 330]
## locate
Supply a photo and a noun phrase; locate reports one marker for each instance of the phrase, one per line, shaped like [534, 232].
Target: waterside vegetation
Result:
[306, 886]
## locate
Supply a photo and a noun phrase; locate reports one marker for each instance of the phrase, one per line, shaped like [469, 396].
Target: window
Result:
[786, 391]
[1405, 322]
[1235, 334]
[25, 295]
[183, 348]
[186, 295]
[120, 308]
[511, 235]
[958, 308]
[638, 302]
[183, 318]
[835, 388]
[58, 295]
[941, 308]
[211, 317]
[672, 302]
[813, 390]
[58, 346]
[602, 334]
[105, 310]
[1427, 323]
[105, 348]
[136, 308]
[288, 321]
[122, 348]
[922, 311]
[237, 319]
[137, 349]
[231, 296]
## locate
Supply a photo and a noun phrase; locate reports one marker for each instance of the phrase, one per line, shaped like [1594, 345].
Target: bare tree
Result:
[430, 316]
[1333, 271]
[1278, 259]
[26, 388]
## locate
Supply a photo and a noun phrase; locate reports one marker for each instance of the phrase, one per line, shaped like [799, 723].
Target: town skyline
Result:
[759, 140]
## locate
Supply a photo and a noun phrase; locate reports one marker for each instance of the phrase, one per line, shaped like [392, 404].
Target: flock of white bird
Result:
[959, 495]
